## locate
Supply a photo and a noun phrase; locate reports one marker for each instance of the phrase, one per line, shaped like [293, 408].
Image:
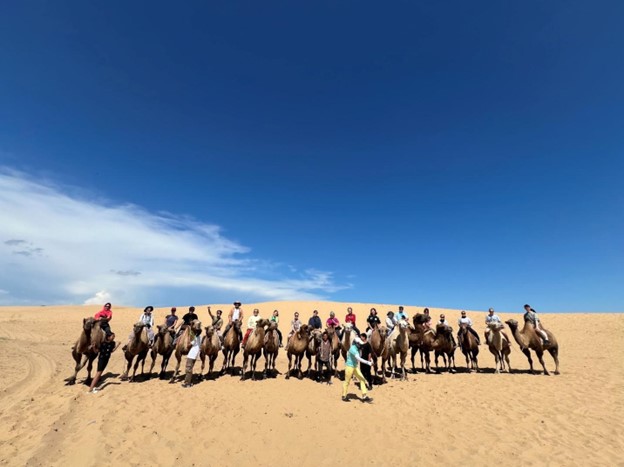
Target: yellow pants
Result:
[350, 373]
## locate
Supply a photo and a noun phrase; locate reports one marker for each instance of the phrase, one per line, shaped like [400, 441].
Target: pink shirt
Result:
[104, 314]
[333, 322]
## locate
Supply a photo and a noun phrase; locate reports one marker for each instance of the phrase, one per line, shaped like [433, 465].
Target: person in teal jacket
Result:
[352, 369]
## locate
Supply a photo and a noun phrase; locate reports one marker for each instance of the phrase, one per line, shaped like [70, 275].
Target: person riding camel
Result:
[251, 325]
[391, 322]
[427, 323]
[467, 323]
[444, 322]
[351, 318]
[530, 315]
[171, 319]
[217, 321]
[492, 318]
[275, 319]
[104, 316]
[235, 314]
[332, 322]
[148, 320]
[373, 321]
[295, 325]
[187, 319]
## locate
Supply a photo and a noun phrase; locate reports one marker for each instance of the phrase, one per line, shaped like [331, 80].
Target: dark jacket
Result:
[315, 322]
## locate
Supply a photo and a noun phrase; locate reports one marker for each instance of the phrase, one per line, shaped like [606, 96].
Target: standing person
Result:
[351, 370]
[106, 349]
[324, 355]
[251, 325]
[373, 321]
[365, 352]
[390, 322]
[530, 315]
[104, 316]
[235, 314]
[492, 318]
[468, 323]
[275, 319]
[332, 322]
[171, 319]
[315, 322]
[350, 318]
[295, 325]
[191, 358]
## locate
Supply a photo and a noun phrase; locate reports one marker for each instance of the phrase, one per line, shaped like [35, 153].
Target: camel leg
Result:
[527, 352]
[554, 352]
[289, 365]
[427, 362]
[540, 357]
[177, 368]
[136, 365]
[154, 355]
[124, 377]
[225, 359]
[245, 359]
[413, 352]
[403, 358]
[89, 368]
[81, 361]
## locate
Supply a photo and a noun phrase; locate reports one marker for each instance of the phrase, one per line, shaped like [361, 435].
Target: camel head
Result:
[196, 326]
[316, 335]
[236, 325]
[348, 327]
[162, 329]
[305, 329]
[513, 324]
[403, 324]
[383, 332]
[419, 318]
[87, 324]
[209, 331]
[496, 326]
[138, 327]
[262, 323]
[272, 326]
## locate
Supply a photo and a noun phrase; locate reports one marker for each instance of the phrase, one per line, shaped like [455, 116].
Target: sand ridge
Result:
[572, 419]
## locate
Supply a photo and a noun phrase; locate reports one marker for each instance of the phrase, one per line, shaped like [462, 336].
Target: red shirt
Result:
[108, 314]
[350, 318]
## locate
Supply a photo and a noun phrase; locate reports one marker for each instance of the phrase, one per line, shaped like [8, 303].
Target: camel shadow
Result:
[108, 383]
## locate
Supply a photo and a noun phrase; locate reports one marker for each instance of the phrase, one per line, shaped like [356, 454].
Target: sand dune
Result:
[487, 419]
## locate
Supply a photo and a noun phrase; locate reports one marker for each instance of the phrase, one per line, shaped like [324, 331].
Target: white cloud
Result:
[61, 248]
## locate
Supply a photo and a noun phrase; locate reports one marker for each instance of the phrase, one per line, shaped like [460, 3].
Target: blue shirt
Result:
[353, 356]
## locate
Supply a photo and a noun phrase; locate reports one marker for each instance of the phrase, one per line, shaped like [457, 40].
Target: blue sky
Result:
[455, 154]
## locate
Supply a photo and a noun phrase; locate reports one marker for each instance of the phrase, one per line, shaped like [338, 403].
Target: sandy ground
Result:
[487, 419]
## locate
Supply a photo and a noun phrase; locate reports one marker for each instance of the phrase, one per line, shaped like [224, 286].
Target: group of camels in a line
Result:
[391, 348]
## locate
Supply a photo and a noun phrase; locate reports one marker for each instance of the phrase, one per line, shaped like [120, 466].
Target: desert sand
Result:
[575, 418]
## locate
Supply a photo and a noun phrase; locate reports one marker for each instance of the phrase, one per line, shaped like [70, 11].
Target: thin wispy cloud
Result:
[67, 248]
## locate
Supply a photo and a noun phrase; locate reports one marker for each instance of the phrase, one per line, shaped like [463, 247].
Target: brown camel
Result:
[231, 346]
[415, 336]
[335, 353]
[499, 346]
[398, 344]
[253, 348]
[137, 347]
[442, 345]
[271, 349]
[378, 346]
[86, 348]
[528, 339]
[469, 347]
[184, 344]
[163, 345]
[297, 346]
[312, 350]
[210, 346]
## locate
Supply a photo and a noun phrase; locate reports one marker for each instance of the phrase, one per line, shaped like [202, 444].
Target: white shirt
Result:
[251, 322]
[390, 322]
[466, 320]
[235, 314]
[194, 352]
[492, 319]
[146, 319]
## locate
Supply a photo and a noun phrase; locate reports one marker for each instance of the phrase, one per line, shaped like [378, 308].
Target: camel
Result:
[470, 348]
[253, 348]
[528, 339]
[499, 346]
[398, 343]
[348, 336]
[231, 346]
[86, 348]
[137, 347]
[378, 345]
[163, 345]
[297, 345]
[442, 345]
[271, 349]
[210, 346]
[335, 354]
[312, 349]
[184, 344]
[416, 341]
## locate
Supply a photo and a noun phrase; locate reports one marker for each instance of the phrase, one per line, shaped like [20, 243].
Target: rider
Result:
[171, 319]
[315, 321]
[444, 322]
[427, 323]
[332, 322]
[187, 319]
[105, 315]
[350, 318]
[390, 321]
[467, 322]
[148, 320]
[373, 321]
[492, 318]
[295, 325]
[236, 314]
[530, 315]
[251, 325]
[275, 319]
[217, 321]
[401, 314]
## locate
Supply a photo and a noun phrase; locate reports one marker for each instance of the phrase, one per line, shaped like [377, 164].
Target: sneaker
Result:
[344, 399]
[184, 385]
[367, 399]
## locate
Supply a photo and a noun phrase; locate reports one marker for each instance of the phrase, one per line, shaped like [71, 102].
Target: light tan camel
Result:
[312, 350]
[210, 346]
[271, 349]
[137, 347]
[184, 344]
[163, 345]
[499, 346]
[469, 347]
[86, 348]
[398, 344]
[253, 348]
[348, 335]
[335, 353]
[231, 346]
[528, 339]
[378, 346]
[297, 346]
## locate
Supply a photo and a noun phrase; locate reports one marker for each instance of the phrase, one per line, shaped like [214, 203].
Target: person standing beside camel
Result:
[365, 352]
[324, 355]
[235, 314]
[191, 358]
[530, 315]
[106, 349]
[352, 369]
[104, 316]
